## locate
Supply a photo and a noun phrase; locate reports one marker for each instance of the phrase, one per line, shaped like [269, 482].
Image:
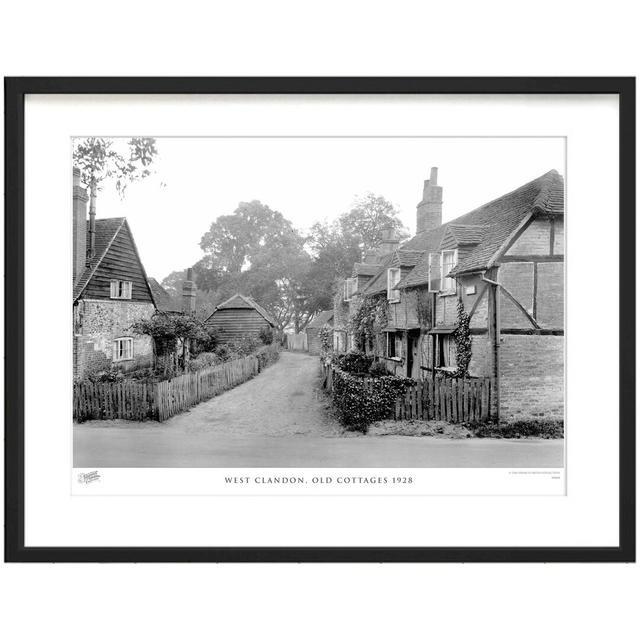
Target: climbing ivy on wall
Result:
[368, 321]
[326, 340]
[462, 337]
[423, 307]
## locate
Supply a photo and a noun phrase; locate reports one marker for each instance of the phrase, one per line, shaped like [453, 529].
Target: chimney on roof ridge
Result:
[91, 249]
[370, 256]
[189, 294]
[429, 211]
[389, 241]
[79, 225]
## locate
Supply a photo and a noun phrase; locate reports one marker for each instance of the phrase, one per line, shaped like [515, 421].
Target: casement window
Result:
[350, 286]
[393, 278]
[440, 264]
[449, 261]
[435, 271]
[123, 349]
[121, 289]
[394, 344]
[445, 351]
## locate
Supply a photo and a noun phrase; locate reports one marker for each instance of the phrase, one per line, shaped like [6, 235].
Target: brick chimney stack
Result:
[370, 256]
[79, 225]
[189, 294]
[91, 249]
[429, 212]
[389, 241]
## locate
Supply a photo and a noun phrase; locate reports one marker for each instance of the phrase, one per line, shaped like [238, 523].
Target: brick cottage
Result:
[505, 261]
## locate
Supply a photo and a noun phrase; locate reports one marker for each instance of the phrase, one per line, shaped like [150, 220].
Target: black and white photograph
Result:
[318, 302]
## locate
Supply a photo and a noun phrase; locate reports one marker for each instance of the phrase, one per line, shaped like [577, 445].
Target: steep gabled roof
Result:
[107, 230]
[499, 219]
[238, 301]
[320, 320]
[506, 214]
[163, 301]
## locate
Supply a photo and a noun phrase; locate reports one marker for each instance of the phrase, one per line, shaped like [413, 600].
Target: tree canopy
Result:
[256, 251]
[109, 159]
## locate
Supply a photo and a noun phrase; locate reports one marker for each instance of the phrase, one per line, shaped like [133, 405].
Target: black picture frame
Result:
[15, 91]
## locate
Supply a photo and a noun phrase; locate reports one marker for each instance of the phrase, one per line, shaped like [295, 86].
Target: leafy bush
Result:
[267, 355]
[245, 346]
[326, 340]
[106, 375]
[519, 429]
[378, 369]
[361, 401]
[224, 352]
[355, 362]
[207, 342]
[266, 335]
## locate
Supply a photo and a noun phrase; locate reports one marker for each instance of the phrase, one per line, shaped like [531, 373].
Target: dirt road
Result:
[278, 419]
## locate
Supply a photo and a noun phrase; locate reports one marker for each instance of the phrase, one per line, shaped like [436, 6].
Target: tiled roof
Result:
[320, 320]
[238, 301]
[504, 215]
[466, 234]
[408, 258]
[365, 269]
[106, 231]
[378, 283]
[499, 218]
[164, 302]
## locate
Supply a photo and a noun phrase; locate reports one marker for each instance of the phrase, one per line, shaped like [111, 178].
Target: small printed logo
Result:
[90, 476]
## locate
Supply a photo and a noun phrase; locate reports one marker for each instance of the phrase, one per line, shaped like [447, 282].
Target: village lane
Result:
[279, 419]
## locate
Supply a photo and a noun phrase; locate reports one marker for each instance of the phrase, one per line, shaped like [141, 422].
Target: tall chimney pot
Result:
[79, 225]
[91, 250]
[189, 294]
[429, 211]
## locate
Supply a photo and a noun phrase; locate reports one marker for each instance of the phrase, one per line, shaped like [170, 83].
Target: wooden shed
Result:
[237, 317]
[323, 319]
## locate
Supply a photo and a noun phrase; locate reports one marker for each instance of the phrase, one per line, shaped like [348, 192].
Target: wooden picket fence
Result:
[446, 399]
[138, 400]
[179, 394]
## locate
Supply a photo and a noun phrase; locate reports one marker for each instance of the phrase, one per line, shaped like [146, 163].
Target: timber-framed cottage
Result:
[505, 262]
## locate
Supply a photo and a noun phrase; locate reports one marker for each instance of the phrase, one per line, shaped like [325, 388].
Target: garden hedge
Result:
[360, 401]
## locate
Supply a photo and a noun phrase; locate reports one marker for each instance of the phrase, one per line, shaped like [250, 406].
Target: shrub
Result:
[266, 335]
[378, 369]
[359, 401]
[520, 429]
[267, 355]
[207, 343]
[355, 362]
[245, 346]
[106, 375]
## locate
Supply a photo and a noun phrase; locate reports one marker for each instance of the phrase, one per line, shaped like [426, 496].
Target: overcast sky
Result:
[311, 179]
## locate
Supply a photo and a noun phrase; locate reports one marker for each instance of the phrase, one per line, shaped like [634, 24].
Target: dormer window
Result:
[121, 289]
[350, 287]
[440, 264]
[449, 261]
[393, 278]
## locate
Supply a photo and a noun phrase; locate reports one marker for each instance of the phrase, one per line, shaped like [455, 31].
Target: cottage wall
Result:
[531, 376]
[97, 323]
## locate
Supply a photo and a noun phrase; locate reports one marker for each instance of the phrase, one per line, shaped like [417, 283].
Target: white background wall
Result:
[329, 38]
